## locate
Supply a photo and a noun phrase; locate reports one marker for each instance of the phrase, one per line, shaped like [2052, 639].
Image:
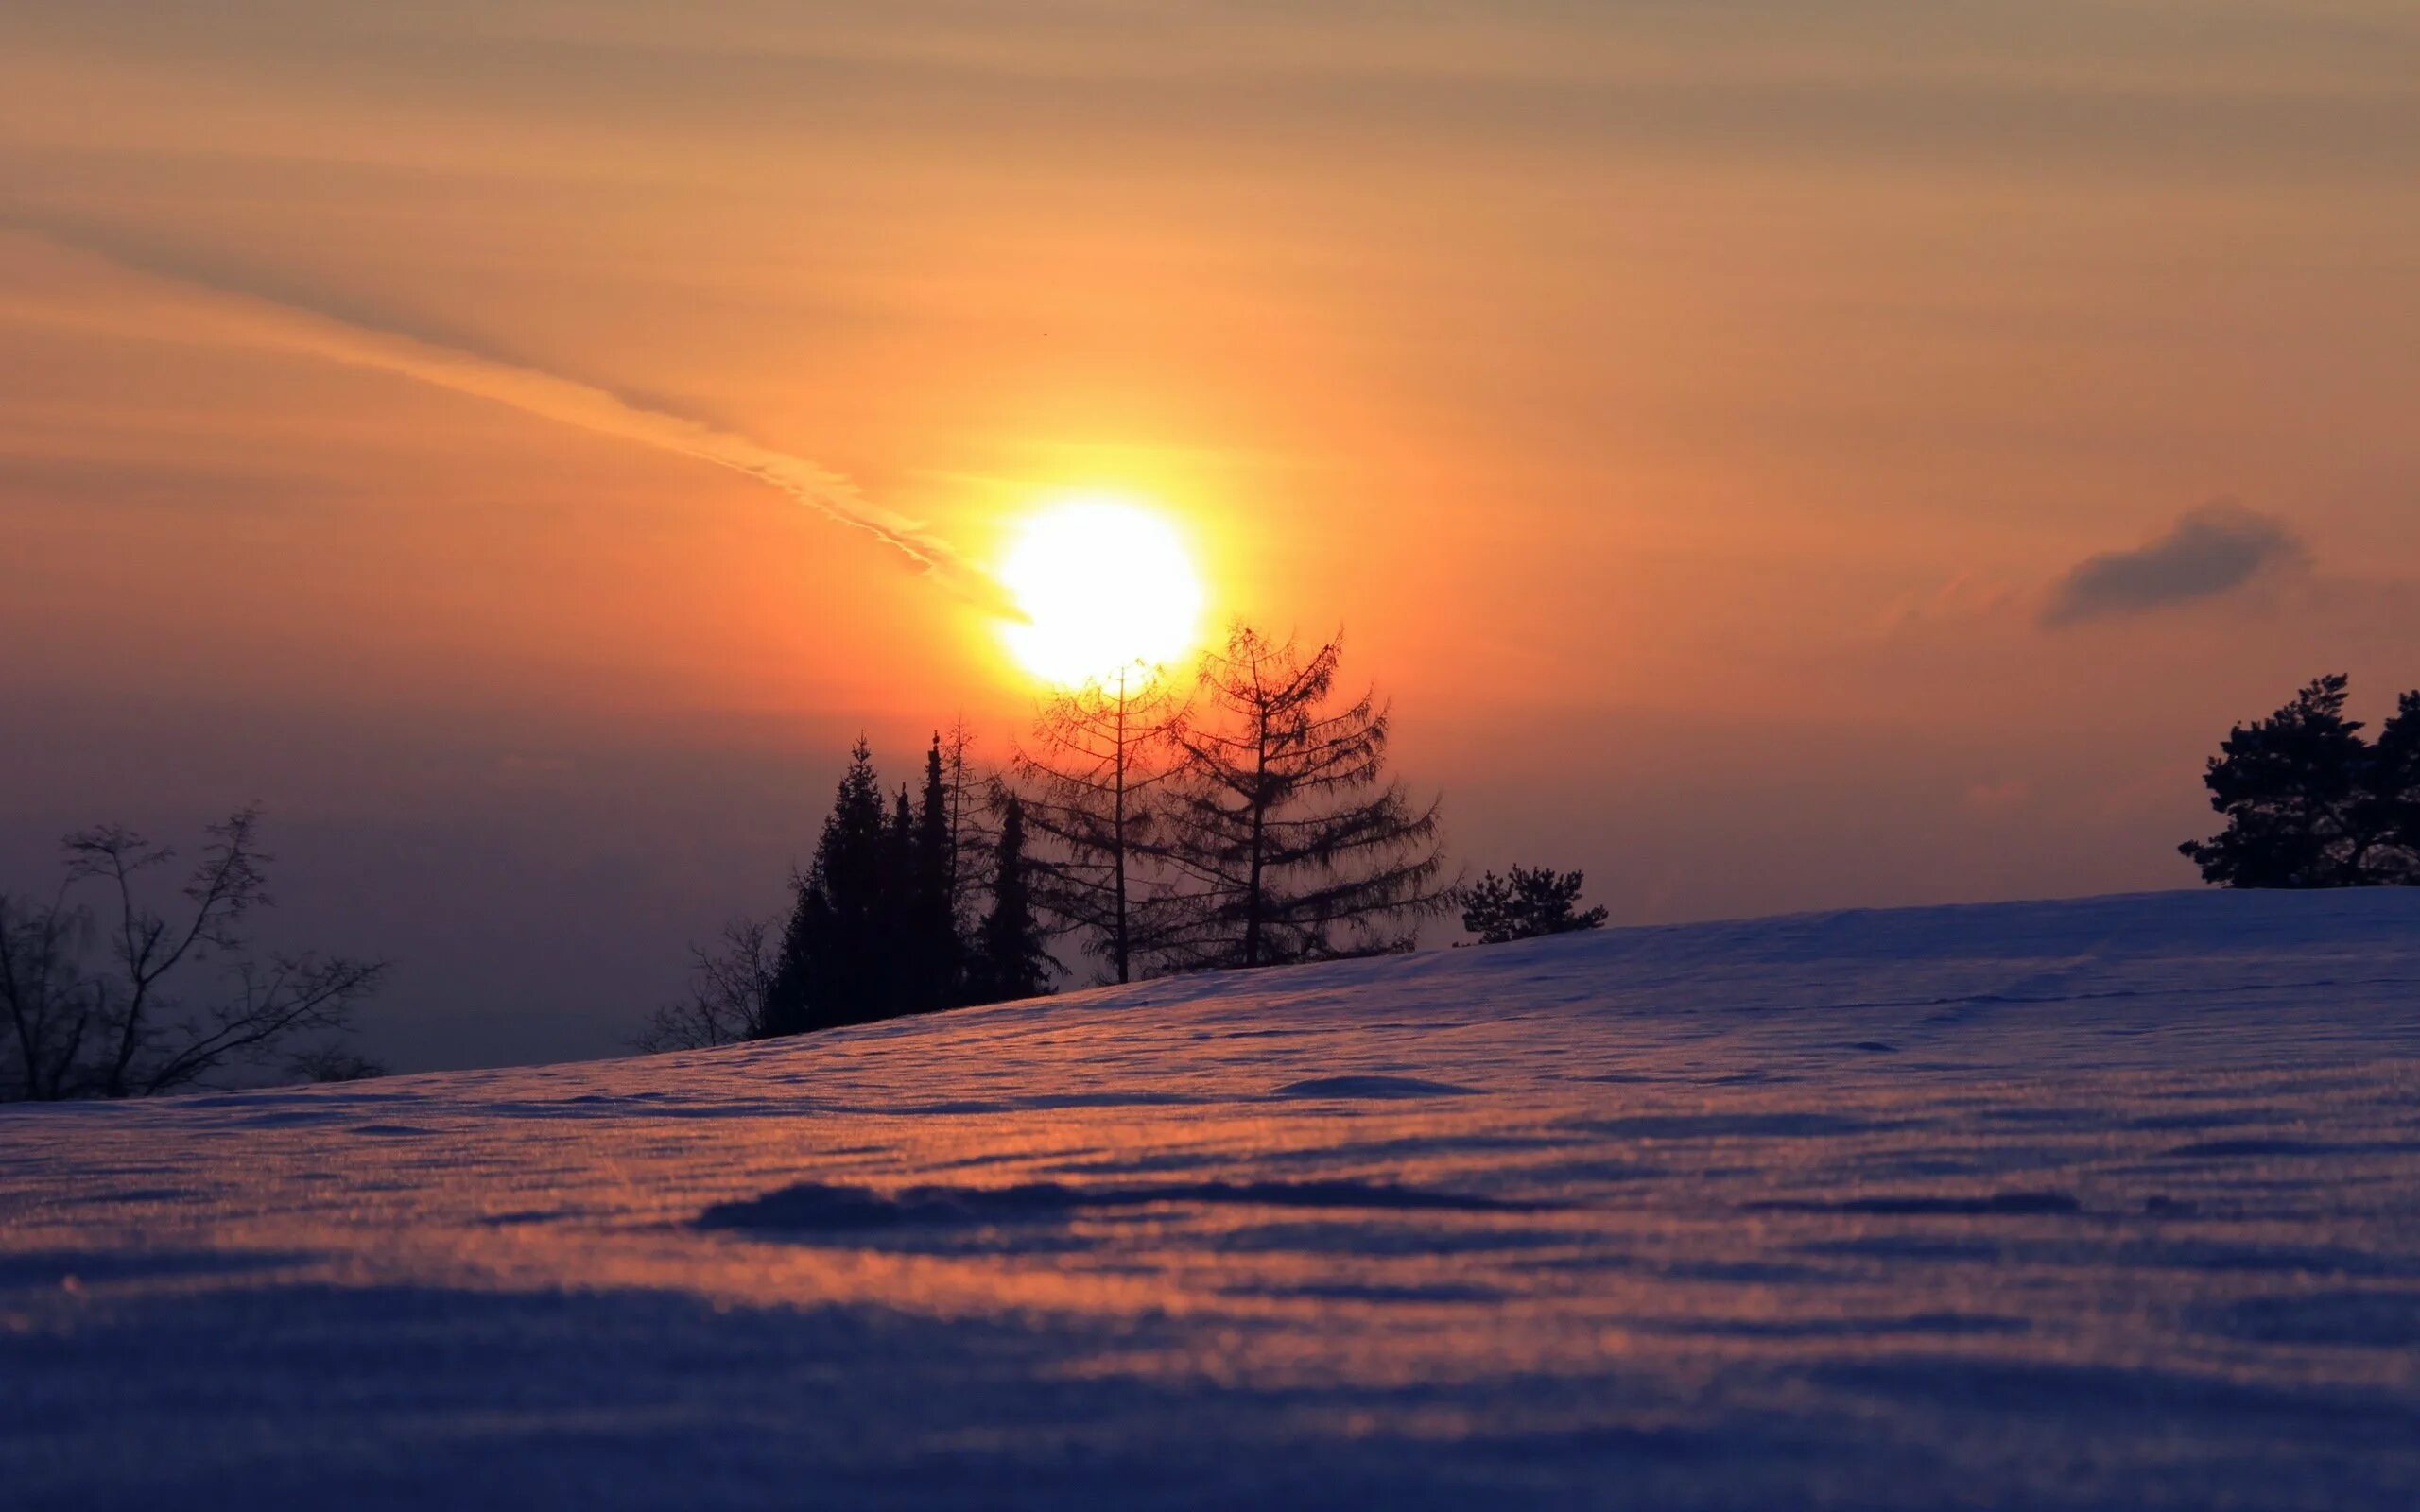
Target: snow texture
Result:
[2110, 1203]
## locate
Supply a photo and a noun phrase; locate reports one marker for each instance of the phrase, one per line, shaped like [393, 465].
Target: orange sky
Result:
[1689, 409]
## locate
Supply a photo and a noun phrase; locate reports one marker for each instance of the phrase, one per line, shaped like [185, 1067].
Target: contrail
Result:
[283, 325]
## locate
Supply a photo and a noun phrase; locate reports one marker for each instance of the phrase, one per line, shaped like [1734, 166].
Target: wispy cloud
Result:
[255, 314]
[2209, 552]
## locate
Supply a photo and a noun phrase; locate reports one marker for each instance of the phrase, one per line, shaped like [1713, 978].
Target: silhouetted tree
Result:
[2395, 785]
[1090, 789]
[971, 841]
[933, 962]
[834, 966]
[1012, 955]
[1524, 903]
[1296, 844]
[730, 993]
[2301, 797]
[52, 1008]
[894, 957]
[123, 1026]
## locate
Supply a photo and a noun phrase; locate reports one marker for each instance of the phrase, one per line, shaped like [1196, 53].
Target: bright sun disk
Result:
[1105, 586]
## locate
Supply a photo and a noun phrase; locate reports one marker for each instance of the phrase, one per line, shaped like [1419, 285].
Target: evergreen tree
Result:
[1012, 953]
[833, 968]
[1091, 790]
[1296, 844]
[1524, 903]
[933, 960]
[2395, 785]
[2296, 790]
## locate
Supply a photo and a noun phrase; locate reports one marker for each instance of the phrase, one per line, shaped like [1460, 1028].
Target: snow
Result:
[2107, 1203]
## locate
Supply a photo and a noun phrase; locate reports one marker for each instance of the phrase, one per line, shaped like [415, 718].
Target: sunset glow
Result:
[1105, 585]
[749, 746]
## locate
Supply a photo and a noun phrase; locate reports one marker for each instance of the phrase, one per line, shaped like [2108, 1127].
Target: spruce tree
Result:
[897, 942]
[934, 964]
[833, 968]
[1012, 953]
[1297, 845]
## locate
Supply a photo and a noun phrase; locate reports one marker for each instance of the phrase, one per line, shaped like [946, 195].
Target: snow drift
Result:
[2105, 1203]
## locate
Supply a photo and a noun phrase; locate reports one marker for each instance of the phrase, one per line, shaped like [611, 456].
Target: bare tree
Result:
[1090, 795]
[970, 838]
[1296, 844]
[121, 1027]
[729, 987]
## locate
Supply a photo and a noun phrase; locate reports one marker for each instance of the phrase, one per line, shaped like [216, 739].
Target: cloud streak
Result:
[2209, 552]
[279, 322]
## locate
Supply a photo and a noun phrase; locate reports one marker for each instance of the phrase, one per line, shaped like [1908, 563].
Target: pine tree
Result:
[2395, 785]
[1525, 904]
[833, 968]
[2297, 794]
[1012, 953]
[1296, 844]
[1090, 791]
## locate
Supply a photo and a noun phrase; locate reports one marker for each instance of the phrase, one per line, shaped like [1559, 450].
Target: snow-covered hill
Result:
[2104, 1203]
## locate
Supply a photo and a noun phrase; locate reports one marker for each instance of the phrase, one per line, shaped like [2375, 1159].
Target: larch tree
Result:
[1090, 787]
[1294, 842]
[971, 839]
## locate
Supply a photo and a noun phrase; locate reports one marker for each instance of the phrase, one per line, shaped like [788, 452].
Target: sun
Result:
[1105, 585]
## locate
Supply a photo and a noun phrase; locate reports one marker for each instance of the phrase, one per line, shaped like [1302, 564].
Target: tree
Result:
[2394, 786]
[971, 843]
[730, 994]
[124, 1026]
[1011, 956]
[51, 1006]
[1524, 903]
[834, 966]
[1090, 789]
[932, 961]
[2297, 792]
[1296, 844]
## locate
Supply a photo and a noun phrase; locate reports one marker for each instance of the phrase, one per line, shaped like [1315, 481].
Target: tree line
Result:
[1245, 818]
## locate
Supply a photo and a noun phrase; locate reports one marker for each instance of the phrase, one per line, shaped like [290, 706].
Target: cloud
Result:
[2209, 552]
[256, 314]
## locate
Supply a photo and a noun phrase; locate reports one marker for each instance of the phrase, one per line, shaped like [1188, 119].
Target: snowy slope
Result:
[2104, 1203]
